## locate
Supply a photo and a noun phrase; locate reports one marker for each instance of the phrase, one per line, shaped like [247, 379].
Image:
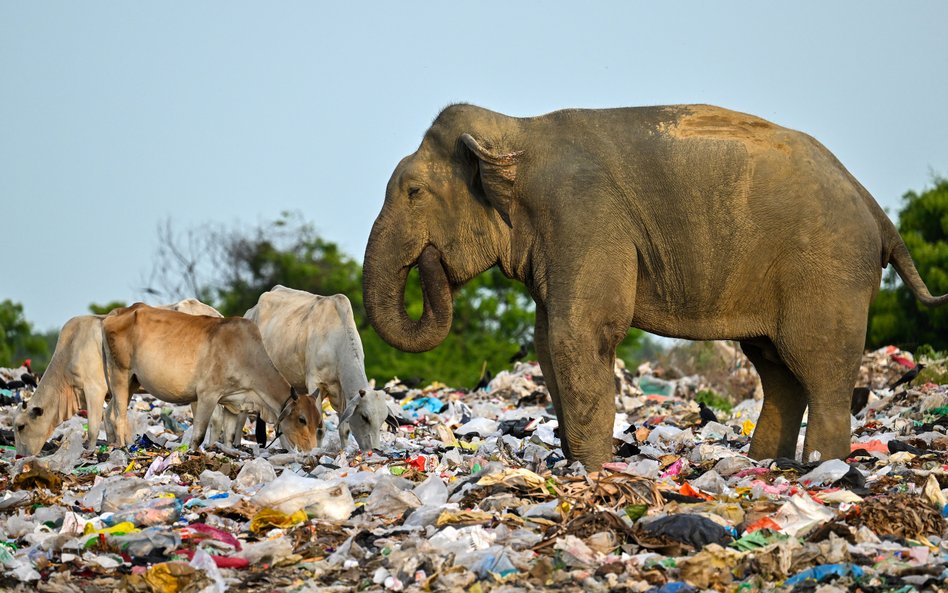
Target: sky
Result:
[117, 116]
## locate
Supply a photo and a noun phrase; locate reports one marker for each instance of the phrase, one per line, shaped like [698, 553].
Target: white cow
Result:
[74, 379]
[314, 344]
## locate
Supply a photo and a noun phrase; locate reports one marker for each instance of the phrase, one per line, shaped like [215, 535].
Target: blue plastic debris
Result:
[675, 587]
[824, 571]
[429, 405]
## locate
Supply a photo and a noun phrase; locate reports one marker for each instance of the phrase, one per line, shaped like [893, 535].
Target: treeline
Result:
[493, 316]
[229, 268]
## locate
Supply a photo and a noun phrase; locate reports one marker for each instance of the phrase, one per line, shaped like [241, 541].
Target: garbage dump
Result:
[470, 492]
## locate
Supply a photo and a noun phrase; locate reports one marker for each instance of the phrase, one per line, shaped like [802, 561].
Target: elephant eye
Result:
[365, 418]
[413, 192]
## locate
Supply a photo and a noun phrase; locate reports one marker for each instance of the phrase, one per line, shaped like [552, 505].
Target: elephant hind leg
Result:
[778, 426]
[824, 355]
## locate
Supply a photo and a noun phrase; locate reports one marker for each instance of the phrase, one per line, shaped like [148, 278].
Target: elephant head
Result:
[447, 210]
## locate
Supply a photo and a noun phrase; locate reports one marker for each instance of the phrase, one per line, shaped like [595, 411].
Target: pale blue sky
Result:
[116, 115]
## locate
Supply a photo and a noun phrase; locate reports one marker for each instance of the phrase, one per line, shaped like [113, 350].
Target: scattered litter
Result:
[471, 491]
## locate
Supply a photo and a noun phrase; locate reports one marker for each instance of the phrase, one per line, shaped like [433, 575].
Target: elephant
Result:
[687, 221]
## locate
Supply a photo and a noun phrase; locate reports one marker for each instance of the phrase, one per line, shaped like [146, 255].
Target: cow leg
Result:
[203, 410]
[238, 428]
[94, 396]
[120, 385]
[228, 426]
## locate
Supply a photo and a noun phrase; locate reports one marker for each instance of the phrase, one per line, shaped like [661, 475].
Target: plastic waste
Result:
[388, 499]
[290, 493]
[154, 512]
[214, 480]
[255, 472]
[800, 514]
[266, 551]
[70, 451]
[432, 492]
[267, 519]
[482, 427]
[202, 562]
[824, 571]
[148, 542]
[826, 473]
[694, 530]
[114, 493]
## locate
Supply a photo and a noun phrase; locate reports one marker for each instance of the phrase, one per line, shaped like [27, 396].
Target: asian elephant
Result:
[688, 221]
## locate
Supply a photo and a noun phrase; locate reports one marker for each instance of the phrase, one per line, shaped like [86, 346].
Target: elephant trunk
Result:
[384, 298]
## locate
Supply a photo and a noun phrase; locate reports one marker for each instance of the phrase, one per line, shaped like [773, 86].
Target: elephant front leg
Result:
[586, 320]
[584, 361]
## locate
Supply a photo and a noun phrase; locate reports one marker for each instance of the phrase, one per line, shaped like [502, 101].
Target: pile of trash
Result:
[471, 492]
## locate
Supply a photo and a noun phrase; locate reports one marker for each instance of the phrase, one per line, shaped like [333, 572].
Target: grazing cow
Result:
[227, 421]
[313, 342]
[73, 380]
[182, 358]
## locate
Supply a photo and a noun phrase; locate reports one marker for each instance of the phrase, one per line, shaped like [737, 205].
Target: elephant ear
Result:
[494, 176]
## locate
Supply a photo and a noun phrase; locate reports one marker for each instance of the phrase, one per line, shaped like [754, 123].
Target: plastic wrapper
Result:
[291, 493]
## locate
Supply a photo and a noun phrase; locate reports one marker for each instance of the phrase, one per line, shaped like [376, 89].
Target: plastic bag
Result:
[388, 499]
[290, 493]
[254, 472]
[694, 530]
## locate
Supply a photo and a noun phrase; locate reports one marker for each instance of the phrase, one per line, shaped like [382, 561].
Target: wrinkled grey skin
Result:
[686, 221]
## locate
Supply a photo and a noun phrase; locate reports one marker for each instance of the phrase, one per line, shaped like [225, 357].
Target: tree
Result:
[231, 268]
[896, 316]
[19, 341]
[97, 309]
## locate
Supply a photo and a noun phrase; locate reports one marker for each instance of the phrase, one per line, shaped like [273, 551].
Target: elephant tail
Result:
[901, 259]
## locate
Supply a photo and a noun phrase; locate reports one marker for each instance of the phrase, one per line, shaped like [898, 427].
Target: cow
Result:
[227, 421]
[182, 358]
[74, 380]
[314, 344]
[192, 306]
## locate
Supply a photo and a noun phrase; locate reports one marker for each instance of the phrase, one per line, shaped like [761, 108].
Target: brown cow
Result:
[181, 358]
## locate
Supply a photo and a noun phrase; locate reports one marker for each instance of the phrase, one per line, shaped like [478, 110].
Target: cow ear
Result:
[494, 175]
[36, 411]
[349, 411]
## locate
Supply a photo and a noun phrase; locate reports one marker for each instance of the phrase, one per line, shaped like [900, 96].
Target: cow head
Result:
[366, 414]
[31, 429]
[302, 423]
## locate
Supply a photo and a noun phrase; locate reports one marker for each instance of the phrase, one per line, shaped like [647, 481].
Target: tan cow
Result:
[314, 343]
[73, 380]
[182, 358]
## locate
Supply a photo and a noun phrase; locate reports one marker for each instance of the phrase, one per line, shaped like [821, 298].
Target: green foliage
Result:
[492, 314]
[896, 316]
[97, 309]
[18, 340]
[711, 399]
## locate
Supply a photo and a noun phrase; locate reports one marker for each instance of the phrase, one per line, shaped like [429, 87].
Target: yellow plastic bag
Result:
[269, 518]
